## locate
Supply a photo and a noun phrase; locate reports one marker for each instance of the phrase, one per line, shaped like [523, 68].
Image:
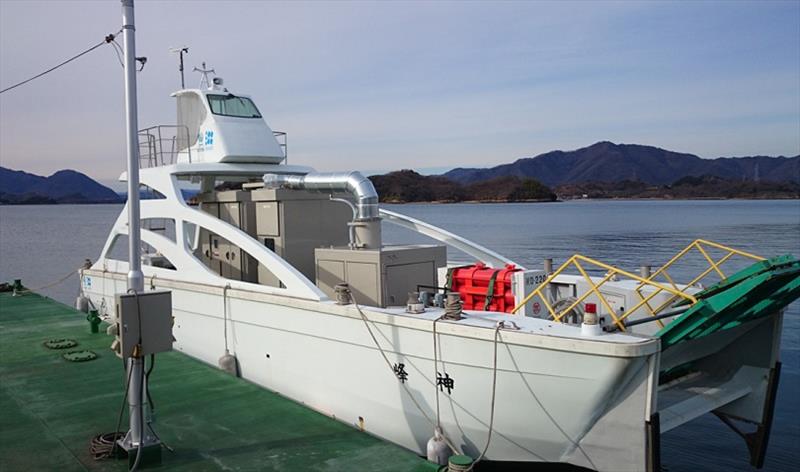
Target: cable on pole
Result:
[108, 39]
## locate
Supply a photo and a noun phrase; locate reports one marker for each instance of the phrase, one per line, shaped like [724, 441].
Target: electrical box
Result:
[379, 277]
[146, 317]
[622, 295]
[522, 284]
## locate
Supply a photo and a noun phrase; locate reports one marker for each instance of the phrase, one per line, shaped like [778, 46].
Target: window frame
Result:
[228, 96]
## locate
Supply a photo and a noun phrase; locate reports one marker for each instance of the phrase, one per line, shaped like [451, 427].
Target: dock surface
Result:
[51, 408]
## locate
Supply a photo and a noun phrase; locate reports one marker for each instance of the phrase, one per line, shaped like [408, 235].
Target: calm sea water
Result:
[40, 244]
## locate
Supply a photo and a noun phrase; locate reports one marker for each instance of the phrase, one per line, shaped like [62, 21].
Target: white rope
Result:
[500, 324]
[53, 284]
[225, 315]
[436, 374]
[391, 367]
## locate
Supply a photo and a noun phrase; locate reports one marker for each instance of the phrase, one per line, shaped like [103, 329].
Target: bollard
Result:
[458, 463]
[551, 293]
[16, 288]
[94, 321]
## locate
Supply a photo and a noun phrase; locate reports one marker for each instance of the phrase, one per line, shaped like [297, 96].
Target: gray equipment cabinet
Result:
[379, 277]
[218, 253]
[144, 318]
[293, 223]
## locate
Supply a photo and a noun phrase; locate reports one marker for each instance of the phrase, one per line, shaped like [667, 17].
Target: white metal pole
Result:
[135, 276]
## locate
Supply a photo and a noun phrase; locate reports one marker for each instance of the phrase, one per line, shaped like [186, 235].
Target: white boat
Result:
[253, 262]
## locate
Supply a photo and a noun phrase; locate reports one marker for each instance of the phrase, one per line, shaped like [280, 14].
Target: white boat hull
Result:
[554, 395]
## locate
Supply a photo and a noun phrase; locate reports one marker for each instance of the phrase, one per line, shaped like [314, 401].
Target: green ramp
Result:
[759, 290]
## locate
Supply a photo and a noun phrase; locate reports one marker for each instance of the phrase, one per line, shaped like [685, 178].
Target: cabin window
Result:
[231, 105]
[150, 257]
[230, 261]
[161, 226]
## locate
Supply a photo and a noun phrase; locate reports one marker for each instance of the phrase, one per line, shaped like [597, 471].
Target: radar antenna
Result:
[181, 50]
[205, 73]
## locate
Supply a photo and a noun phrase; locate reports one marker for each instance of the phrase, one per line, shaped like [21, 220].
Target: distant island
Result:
[407, 186]
[686, 188]
[608, 162]
[602, 170]
[65, 186]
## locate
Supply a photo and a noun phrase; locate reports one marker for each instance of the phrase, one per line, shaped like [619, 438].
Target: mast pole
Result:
[181, 51]
[183, 83]
[135, 276]
[138, 437]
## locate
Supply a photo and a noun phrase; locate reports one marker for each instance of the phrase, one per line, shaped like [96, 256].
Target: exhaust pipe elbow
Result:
[353, 183]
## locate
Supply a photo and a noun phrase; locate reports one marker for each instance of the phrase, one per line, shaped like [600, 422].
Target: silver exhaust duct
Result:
[366, 225]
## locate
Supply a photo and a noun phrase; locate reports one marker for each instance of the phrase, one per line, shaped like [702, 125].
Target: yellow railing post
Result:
[714, 266]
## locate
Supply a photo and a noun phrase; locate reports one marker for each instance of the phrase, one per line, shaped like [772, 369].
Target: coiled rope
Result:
[103, 445]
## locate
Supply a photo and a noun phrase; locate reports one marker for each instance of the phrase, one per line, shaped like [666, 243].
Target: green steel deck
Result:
[51, 408]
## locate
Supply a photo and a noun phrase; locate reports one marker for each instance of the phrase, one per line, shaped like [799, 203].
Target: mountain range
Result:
[609, 162]
[64, 186]
[602, 170]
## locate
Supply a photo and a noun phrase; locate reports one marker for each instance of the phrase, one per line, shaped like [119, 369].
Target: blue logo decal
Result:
[209, 138]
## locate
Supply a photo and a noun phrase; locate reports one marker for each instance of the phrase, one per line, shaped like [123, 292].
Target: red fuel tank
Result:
[483, 288]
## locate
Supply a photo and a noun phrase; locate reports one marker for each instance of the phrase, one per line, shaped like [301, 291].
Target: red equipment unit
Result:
[483, 288]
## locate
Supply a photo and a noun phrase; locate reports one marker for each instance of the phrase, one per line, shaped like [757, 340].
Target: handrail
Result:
[713, 266]
[612, 271]
[475, 250]
[164, 143]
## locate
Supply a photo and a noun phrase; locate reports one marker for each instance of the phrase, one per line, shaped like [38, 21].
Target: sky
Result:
[378, 86]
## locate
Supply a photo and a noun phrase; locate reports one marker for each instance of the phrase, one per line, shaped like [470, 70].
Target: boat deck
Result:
[51, 408]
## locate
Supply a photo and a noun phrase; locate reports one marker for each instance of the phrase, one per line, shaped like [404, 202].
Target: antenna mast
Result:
[205, 73]
[181, 51]
[140, 436]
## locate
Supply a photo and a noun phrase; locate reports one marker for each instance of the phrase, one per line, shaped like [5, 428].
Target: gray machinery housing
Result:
[312, 232]
[219, 254]
[380, 277]
[293, 223]
[290, 223]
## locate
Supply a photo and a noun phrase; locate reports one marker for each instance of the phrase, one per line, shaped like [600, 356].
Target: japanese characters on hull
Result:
[443, 381]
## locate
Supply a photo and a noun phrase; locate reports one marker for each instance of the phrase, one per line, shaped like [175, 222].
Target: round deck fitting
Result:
[79, 356]
[459, 463]
[60, 343]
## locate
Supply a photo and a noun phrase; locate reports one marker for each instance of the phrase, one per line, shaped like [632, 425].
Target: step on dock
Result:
[51, 408]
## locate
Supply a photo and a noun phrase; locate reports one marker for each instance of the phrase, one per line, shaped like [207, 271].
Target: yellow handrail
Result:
[713, 266]
[612, 271]
[673, 289]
